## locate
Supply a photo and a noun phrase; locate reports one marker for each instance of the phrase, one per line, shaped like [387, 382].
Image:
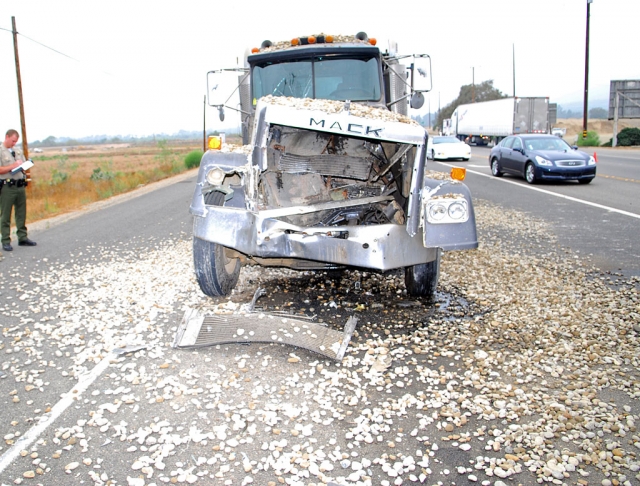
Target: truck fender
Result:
[448, 234]
[230, 163]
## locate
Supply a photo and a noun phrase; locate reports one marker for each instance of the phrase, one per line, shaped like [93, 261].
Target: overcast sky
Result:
[139, 67]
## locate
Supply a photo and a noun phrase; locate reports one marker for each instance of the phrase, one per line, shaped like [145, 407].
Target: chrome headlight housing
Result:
[451, 208]
[215, 177]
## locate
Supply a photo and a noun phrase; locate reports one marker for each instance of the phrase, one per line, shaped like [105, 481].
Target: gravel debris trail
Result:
[525, 371]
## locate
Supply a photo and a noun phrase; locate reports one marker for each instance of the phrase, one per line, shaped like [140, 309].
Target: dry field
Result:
[64, 179]
[604, 128]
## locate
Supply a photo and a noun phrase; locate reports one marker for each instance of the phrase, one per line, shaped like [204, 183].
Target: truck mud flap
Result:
[199, 330]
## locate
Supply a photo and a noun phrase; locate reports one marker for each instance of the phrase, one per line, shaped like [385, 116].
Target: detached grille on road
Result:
[197, 330]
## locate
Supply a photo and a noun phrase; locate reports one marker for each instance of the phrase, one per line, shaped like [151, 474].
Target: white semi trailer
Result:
[489, 122]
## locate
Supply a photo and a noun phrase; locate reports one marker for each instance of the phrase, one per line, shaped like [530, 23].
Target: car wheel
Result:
[216, 272]
[433, 154]
[530, 173]
[422, 280]
[495, 168]
[466, 159]
[585, 181]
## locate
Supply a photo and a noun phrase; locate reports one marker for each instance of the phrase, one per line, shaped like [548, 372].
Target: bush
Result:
[103, 173]
[192, 159]
[592, 140]
[628, 137]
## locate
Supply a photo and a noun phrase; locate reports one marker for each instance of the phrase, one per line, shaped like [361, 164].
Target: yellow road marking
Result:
[624, 179]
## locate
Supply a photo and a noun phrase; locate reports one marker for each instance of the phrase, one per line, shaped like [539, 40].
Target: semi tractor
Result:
[332, 172]
[488, 122]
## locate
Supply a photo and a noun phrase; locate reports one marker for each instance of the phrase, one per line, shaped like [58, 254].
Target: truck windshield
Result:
[329, 78]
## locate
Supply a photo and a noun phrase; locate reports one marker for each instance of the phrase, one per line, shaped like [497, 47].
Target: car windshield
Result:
[547, 143]
[323, 77]
[437, 140]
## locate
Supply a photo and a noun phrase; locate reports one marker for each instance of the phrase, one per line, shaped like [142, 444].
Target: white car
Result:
[442, 148]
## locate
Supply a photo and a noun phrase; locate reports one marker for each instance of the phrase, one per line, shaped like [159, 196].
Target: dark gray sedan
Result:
[538, 157]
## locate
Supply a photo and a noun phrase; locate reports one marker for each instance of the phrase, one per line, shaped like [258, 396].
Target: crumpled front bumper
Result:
[381, 247]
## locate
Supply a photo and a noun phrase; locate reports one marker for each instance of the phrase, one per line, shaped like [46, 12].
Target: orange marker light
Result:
[254, 50]
[328, 39]
[295, 42]
[373, 42]
[311, 39]
[458, 173]
[215, 143]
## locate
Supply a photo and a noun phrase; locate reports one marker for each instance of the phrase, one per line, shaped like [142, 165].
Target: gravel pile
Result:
[332, 106]
[525, 371]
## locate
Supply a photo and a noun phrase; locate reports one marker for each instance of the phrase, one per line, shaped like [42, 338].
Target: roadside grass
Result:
[67, 181]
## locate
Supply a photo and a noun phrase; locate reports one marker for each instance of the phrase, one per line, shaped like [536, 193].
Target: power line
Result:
[51, 48]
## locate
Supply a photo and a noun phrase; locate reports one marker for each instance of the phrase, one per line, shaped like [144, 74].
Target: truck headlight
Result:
[437, 212]
[448, 209]
[457, 211]
[215, 177]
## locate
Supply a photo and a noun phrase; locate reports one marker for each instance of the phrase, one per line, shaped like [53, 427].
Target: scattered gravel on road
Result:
[525, 371]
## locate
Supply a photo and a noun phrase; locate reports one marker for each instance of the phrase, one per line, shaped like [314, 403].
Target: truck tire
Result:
[422, 280]
[216, 273]
[495, 168]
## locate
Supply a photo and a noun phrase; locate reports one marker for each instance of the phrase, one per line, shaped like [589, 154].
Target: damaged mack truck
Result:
[332, 172]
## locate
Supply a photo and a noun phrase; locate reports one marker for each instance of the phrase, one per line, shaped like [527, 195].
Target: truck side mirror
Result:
[417, 100]
[421, 73]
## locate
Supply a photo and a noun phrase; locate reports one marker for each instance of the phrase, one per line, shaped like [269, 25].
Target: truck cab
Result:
[332, 173]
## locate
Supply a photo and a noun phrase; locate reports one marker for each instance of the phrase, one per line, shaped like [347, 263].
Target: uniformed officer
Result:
[13, 194]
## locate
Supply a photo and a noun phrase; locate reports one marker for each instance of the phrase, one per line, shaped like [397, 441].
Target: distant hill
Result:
[104, 139]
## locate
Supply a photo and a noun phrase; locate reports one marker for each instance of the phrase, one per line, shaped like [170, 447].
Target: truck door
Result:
[540, 115]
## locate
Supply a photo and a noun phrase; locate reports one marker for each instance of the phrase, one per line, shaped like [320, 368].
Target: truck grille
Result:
[330, 165]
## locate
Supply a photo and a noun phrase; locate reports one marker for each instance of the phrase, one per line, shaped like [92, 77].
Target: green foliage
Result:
[592, 140]
[628, 137]
[103, 173]
[468, 93]
[60, 174]
[58, 177]
[192, 159]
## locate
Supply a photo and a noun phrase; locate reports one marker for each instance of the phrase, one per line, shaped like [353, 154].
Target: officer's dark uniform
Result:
[13, 195]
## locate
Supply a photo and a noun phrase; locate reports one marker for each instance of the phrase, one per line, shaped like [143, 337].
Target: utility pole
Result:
[473, 84]
[513, 50]
[23, 126]
[204, 125]
[586, 76]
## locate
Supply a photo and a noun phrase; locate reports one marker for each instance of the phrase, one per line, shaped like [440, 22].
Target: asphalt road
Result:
[93, 393]
[600, 220]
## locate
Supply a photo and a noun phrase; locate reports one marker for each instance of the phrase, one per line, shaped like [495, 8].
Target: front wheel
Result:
[530, 173]
[495, 168]
[422, 280]
[216, 271]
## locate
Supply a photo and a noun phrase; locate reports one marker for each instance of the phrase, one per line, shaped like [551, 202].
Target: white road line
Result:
[562, 196]
[34, 432]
